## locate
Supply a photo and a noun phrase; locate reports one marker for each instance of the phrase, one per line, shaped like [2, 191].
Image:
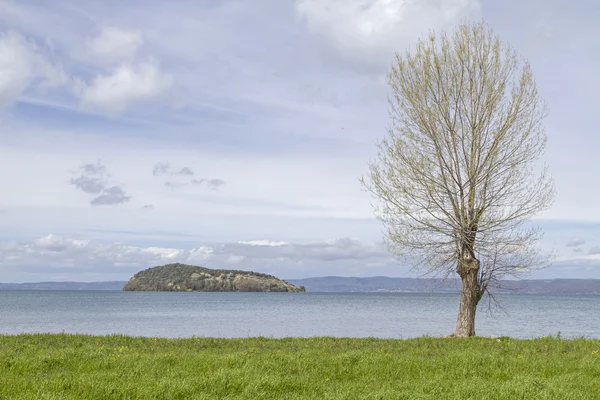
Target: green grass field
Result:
[45, 366]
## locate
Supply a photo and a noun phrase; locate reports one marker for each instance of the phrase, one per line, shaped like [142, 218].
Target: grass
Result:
[47, 366]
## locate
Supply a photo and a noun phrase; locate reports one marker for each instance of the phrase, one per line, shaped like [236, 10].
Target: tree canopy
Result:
[459, 170]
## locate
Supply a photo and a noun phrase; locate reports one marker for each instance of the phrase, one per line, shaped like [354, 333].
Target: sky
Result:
[232, 134]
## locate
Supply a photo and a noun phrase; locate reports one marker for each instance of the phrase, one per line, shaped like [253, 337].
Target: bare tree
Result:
[458, 173]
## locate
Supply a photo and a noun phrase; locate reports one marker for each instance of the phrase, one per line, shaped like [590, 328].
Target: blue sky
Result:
[232, 133]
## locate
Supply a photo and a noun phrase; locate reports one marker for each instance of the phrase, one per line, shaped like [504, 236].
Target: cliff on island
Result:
[189, 278]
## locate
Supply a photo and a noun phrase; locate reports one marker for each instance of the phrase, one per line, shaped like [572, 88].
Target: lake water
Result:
[385, 315]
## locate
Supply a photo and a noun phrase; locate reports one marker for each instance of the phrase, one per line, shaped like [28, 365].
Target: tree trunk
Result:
[469, 297]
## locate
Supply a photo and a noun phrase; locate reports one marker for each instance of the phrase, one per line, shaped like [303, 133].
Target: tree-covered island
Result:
[188, 278]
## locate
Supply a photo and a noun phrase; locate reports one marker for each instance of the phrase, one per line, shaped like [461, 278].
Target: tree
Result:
[458, 173]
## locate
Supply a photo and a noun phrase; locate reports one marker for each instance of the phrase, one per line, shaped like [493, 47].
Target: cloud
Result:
[213, 184]
[174, 185]
[111, 196]
[369, 32]
[57, 244]
[594, 250]
[164, 168]
[115, 45]
[186, 171]
[123, 87]
[161, 169]
[22, 65]
[335, 250]
[148, 206]
[575, 242]
[62, 252]
[132, 78]
[283, 259]
[88, 184]
[93, 181]
[94, 169]
[263, 243]
[577, 250]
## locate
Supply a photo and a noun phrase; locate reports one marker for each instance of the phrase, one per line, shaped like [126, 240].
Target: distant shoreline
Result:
[335, 284]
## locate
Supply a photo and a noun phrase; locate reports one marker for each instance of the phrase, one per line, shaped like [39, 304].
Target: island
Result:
[189, 278]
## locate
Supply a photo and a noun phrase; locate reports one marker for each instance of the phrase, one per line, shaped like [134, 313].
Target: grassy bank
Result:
[117, 367]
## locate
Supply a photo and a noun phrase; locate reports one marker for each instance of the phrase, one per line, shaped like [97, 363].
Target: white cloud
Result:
[55, 243]
[55, 252]
[370, 31]
[132, 78]
[115, 45]
[263, 243]
[125, 86]
[23, 66]
[16, 67]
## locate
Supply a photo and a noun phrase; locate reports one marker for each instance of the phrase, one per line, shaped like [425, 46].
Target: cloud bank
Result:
[56, 253]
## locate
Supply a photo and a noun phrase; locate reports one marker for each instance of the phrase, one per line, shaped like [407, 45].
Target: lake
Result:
[384, 315]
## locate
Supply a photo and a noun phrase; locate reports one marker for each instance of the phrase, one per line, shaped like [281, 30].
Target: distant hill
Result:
[413, 285]
[189, 278]
[111, 285]
[371, 284]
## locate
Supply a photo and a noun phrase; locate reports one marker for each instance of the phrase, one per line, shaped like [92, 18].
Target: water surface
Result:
[385, 315]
